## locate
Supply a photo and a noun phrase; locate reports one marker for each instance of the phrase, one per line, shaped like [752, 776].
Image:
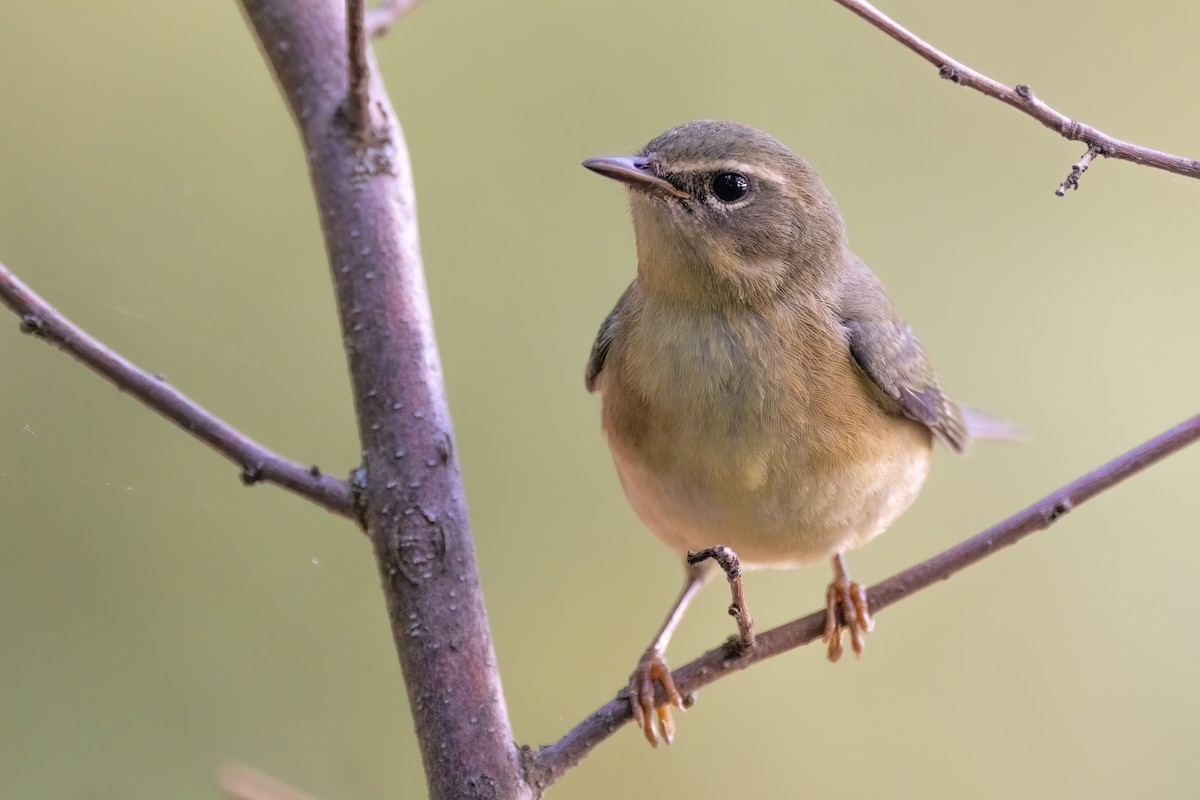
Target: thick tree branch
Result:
[1022, 98]
[258, 463]
[552, 761]
[415, 510]
[381, 18]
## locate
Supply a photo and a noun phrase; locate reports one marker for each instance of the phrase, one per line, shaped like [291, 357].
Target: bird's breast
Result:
[755, 431]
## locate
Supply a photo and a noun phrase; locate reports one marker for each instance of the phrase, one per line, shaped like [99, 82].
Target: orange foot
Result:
[850, 599]
[654, 720]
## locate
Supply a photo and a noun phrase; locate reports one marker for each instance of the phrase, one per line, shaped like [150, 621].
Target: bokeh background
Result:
[158, 619]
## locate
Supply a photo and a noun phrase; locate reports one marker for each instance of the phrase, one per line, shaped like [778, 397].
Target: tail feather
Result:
[982, 424]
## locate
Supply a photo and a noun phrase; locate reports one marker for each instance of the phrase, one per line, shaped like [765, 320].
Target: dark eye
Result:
[730, 186]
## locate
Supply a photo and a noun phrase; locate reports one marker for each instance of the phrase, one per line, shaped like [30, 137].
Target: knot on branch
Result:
[1070, 129]
[949, 73]
[1057, 511]
[252, 474]
[33, 324]
[420, 546]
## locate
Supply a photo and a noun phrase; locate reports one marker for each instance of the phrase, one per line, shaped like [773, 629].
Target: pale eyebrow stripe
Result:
[727, 165]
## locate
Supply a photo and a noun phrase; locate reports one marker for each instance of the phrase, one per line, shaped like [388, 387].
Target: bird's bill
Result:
[633, 171]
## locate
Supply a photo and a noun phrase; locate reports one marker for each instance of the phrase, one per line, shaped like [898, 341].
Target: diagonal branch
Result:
[259, 465]
[545, 766]
[1022, 98]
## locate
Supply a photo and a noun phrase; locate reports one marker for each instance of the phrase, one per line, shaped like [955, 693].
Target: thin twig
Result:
[358, 93]
[259, 465]
[381, 18]
[1077, 170]
[545, 766]
[727, 559]
[1022, 98]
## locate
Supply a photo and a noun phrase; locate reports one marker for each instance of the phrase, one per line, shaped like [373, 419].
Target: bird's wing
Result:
[888, 352]
[604, 340]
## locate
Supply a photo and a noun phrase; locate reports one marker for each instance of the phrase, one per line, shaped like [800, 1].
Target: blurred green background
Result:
[158, 619]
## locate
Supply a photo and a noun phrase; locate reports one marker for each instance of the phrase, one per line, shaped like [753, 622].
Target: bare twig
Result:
[381, 18]
[1077, 170]
[358, 92]
[415, 507]
[550, 762]
[732, 566]
[1022, 98]
[258, 464]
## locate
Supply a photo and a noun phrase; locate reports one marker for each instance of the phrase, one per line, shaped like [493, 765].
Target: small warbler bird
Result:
[759, 391]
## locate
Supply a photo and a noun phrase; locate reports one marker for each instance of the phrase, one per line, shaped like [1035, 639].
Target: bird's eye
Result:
[730, 186]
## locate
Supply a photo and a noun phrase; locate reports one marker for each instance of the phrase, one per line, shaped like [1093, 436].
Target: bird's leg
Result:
[654, 719]
[850, 599]
[728, 561]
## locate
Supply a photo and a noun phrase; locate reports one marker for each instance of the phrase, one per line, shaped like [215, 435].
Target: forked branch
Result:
[1022, 98]
[415, 509]
[414, 505]
[547, 764]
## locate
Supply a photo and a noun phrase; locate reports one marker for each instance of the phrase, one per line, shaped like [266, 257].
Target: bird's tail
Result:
[986, 425]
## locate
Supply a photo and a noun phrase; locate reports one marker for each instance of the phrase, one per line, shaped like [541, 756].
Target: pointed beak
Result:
[635, 172]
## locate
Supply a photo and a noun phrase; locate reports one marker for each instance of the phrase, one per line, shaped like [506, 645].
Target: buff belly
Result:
[794, 511]
[766, 439]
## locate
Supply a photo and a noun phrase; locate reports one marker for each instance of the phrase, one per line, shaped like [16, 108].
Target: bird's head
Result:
[724, 212]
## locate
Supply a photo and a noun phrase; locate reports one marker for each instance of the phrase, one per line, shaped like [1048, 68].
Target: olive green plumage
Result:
[760, 392]
[759, 388]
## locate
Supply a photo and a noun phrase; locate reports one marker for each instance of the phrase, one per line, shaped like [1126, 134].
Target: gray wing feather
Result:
[888, 352]
[604, 340]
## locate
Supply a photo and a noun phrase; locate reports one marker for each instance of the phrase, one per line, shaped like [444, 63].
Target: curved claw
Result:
[850, 598]
[654, 720]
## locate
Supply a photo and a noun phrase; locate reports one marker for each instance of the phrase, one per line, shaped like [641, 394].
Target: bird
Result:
[764, 401]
